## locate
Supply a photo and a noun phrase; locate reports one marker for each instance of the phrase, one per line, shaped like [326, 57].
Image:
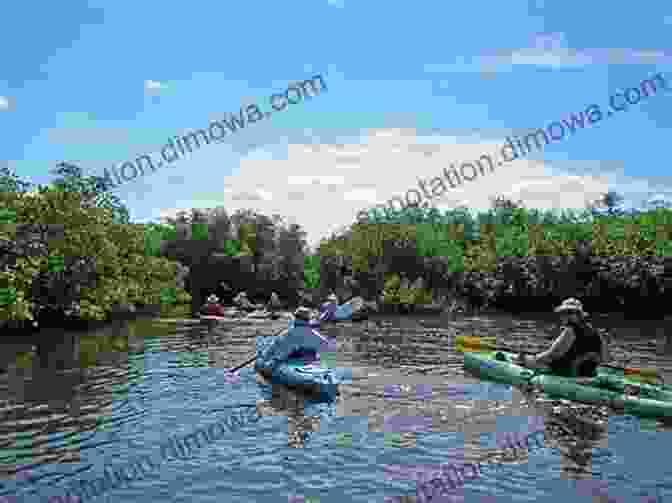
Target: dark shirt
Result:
[586, 340]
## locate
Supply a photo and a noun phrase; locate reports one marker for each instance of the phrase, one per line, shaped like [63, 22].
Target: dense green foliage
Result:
[68, 249]
[311, 272]
[510, 252]
[246, 251]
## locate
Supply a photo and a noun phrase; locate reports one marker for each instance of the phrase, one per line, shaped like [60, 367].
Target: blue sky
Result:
[412, 88]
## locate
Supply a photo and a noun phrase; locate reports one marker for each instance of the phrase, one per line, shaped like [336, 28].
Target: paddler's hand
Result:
[231, 377]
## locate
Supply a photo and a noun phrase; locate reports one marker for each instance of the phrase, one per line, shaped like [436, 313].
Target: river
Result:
[72, 405]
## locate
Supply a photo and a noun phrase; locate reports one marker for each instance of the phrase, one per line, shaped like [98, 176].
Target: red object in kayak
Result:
[213, 310]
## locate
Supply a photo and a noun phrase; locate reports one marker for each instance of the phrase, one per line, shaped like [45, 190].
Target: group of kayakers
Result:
[213, 307]
[301, 336]
[576, 352]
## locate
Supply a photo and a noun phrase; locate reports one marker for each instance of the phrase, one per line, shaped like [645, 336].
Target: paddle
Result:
[473, 342]
[252, 358]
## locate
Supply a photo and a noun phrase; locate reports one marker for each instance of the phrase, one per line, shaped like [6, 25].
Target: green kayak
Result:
[610, 387]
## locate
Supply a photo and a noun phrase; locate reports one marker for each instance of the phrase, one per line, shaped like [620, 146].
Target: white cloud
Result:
[315, 180]
[551, 50]
[364, 195]
[251, 195]
[302, 185]
[306, 185]
[4, 103]
[153, 85]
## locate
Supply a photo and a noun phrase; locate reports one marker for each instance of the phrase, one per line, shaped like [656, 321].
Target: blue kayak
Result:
[344, 312]
[304, 370]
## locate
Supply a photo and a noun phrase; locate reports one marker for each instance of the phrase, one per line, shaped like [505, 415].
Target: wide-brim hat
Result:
[332, 297]
[302, 313]
[571, 305]
[213, 298]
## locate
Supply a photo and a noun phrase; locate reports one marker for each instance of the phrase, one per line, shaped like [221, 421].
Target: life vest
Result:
[330, 309]
[300, 339]
[574, 363]
[213, 310]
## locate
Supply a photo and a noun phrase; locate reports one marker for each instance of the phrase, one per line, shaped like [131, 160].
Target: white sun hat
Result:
[571, 305]
[302, 313]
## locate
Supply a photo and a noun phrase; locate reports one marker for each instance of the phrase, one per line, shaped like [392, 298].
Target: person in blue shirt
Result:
[301, 340]
[328, 308]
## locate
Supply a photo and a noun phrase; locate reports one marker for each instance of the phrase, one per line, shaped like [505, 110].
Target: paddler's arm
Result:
[605, 349]
[323, 316]
[559, 347]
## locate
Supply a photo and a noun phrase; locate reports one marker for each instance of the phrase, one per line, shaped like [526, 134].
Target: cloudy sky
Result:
[412, 88]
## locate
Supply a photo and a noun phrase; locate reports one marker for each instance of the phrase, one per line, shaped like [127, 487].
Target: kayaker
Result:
[212, 307]
[301, 339]
[243, 303]
[328, 308]
[273, 306]
[578, 350]
[273, 303]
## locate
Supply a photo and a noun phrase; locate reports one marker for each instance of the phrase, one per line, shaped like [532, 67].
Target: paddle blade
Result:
[473, 341]
[461, 348]
[647, 373]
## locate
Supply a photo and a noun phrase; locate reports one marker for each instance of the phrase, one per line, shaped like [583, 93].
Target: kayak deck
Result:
[608, 388]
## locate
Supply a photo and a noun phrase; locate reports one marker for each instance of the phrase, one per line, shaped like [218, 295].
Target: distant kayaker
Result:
[212, 307]
[328, 308]
[273, 303]
[273, 306]
[579, 349]
[242, 302]
[301, 339]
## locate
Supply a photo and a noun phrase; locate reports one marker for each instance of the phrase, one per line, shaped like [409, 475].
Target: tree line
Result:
[68, 250]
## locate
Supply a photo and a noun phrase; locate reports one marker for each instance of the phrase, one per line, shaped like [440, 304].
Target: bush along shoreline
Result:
[69, 253]
[69, 257]
[614, 262]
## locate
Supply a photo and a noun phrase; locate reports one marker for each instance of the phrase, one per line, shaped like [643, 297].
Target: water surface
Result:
[73, 407]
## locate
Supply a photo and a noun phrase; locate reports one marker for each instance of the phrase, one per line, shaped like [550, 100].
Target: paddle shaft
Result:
[253, 357]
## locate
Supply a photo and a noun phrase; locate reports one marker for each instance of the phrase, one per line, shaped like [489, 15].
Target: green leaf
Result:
[199, 232]
[55, 263]
[7, 296]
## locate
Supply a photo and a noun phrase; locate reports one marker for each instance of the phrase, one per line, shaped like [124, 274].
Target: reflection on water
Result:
[68, 402]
